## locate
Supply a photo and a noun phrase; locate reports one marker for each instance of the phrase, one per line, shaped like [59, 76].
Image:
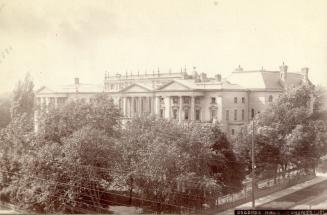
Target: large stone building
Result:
[232, 101]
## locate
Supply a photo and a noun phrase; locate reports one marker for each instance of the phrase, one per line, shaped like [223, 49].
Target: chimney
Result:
[283, 73]
[203, 77]
[76, 81]
[218, 77]
[305, 73]
[239, 69]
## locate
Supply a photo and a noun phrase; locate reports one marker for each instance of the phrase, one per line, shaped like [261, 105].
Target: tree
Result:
[23, 98]
[4, 110]
[284, 133]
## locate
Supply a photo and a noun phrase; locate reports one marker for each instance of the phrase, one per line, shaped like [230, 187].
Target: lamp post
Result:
[253, 166]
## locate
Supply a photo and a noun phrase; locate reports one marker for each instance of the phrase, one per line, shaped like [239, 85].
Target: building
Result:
[232, 101]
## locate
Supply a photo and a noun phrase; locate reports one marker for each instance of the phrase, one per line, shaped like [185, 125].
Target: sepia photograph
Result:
[213, 107]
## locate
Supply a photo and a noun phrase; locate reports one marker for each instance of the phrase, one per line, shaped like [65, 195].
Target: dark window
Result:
[233, 131]
[243, 100]
[252, 113]
[161, 100]
[175, 113]
[186, 114]
[197, 100]
[235, 115]
[227, 115]
[161, 113]
[213, 100]
[270, 98]
[197, 114]
[243, 114]
[235, 100]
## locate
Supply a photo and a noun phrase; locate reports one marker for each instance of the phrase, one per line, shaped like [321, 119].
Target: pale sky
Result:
[56, 40]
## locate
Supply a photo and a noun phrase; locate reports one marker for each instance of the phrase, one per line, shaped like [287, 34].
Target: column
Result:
[180, 112]
[220, 109]
[124, 106]
[140, 106]
[192, 112]
[167, 102]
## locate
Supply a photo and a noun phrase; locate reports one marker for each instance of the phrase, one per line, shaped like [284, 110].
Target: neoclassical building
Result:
[232, 101]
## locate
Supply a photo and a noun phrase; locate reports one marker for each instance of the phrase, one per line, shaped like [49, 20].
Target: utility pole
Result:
[253, 166]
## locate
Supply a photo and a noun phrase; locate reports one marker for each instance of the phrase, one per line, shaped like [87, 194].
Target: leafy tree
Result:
[4, 110]
[23, 98]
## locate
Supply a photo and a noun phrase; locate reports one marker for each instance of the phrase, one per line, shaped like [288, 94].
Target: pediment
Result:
[135, 88]
[44, 90]
[174, 86]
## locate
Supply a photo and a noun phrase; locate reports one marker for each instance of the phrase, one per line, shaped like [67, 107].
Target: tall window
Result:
[233, 131]
[252, 113]
[235, 100]
[213, 114]
[213, 100]
[186, 115]
[197, 115]
[161, 113]
[243, 100]
[186, 100]
[175, 113]
[235, 115]
[227, 115]
[271, 98]
[243, 114]
[197, 100]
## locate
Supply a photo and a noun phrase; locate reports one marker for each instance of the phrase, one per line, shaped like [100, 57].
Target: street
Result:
[312, 197]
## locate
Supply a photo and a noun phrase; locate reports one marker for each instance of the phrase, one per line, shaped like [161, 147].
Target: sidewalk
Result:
[263, 200]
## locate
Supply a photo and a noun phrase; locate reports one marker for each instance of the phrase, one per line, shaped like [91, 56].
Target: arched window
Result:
[271, 98]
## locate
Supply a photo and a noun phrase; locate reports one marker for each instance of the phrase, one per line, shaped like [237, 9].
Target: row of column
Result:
[138, 106]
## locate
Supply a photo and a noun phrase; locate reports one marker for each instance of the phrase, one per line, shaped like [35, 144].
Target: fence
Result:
[264, 187]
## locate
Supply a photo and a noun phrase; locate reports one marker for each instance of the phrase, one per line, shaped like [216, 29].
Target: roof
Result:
[72, 88]
[262, 79]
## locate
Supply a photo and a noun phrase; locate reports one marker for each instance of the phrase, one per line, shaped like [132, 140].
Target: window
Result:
[213, 100]
[197, 115]
[197, 100]
[235, 100]
[243, 100]
[227, 115]
[186, 115]
[161, 113]
[186, 100]
[213, 114]
[233, 131]
[235, 115]
[270, 98]
[175, 100]
[174, 113]
[161, 100]
[252, 113]
[52, 100]
[243, 115]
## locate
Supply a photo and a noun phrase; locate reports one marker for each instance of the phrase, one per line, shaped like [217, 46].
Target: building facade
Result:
[232, 101]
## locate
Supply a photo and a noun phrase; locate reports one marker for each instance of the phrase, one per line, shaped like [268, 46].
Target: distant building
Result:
[232, 101]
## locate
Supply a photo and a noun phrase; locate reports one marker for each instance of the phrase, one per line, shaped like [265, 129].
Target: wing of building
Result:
[232, 101]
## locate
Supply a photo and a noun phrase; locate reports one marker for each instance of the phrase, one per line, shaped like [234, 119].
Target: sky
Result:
[57, 40]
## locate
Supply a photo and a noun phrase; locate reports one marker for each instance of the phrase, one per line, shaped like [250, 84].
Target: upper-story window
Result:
[227, 115]
[175, 100]
[235, 115]
[213, 114]
[243, 100]
[175, 113]
[197, 100]
[271, 98]
[161, 100]
[235, 100]
[186, 100]
[213, 100]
